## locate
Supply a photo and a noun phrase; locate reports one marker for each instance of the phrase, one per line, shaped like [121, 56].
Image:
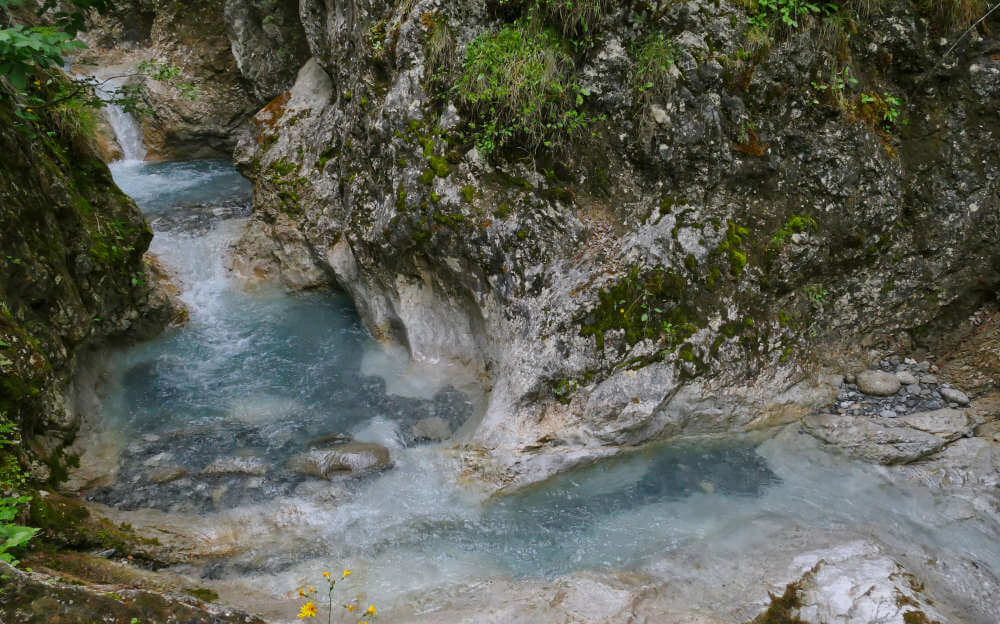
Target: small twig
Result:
[81, 86]
[969, 30]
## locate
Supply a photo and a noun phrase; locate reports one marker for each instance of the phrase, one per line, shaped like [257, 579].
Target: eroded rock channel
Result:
[526, 311]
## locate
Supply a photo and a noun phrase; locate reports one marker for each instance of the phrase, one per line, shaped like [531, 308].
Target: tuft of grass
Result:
[440, 44]
[956, 14]
[651, 67]
[518, 85]
[573, 18]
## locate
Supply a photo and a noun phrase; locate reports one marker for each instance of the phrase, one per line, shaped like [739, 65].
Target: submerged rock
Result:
[167, 474]
[433, 429]
[253, 466]
[352, 457]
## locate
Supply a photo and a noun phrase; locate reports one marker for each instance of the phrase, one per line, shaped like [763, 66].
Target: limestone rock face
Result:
[268, 43]
[856, 584]
[764, 227]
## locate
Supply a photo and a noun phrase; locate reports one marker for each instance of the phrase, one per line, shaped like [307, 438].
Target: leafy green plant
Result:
[518, 85]
[30, 58]
[834, 90]
[12, 535]
[788, 12]
[815, 293]
[23, 49]
[884, 110]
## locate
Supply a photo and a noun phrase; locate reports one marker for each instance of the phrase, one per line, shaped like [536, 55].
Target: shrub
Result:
[518, 84]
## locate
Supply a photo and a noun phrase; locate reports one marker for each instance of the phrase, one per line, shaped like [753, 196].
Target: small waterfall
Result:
[125, 126]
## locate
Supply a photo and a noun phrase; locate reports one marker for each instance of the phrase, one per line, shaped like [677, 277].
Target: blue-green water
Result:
[260, 373]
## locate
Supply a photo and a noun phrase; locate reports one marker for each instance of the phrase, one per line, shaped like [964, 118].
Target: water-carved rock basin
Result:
[207, 422]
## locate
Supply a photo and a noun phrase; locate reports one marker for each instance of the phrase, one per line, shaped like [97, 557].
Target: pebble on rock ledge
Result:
[878, 383]
[954, 395]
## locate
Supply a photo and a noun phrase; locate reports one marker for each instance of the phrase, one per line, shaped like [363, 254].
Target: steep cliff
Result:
[637, 221]
[72, 272]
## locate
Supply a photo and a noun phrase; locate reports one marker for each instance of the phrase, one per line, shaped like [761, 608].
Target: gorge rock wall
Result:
[728, 224]
[73, 274]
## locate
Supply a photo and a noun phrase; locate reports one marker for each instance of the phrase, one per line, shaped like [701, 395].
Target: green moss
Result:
[714, 276]
[468, 193]
[784, 319]
[401, 200]
[649, 304]
[439, 165]
[202, 593]
[427, 177]
[450, 220]
[731, 247]
[794, 225]
[781, 609]
[327, 155]
[502, 210]
[686, 353]
[67, 523]
[918, 617]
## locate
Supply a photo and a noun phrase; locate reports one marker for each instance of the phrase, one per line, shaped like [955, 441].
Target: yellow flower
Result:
[351, 607]
[308, 610]
[371, 610]
[301, 593]
[347, 573]
[38, 83]
[622, 310]
[311, 589]
[326, 574]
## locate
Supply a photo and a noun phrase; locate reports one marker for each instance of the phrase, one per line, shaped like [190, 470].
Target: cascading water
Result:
[258, 376]
[125, 126]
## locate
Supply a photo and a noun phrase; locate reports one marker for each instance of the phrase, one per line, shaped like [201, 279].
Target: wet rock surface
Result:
[230, 464]
[894, 414]
[348, 457]
[30, 598]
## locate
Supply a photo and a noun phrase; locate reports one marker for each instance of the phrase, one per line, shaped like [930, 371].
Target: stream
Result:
[259, 375]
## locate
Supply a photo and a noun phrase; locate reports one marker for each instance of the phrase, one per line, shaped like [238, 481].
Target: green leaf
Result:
[17, 77]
